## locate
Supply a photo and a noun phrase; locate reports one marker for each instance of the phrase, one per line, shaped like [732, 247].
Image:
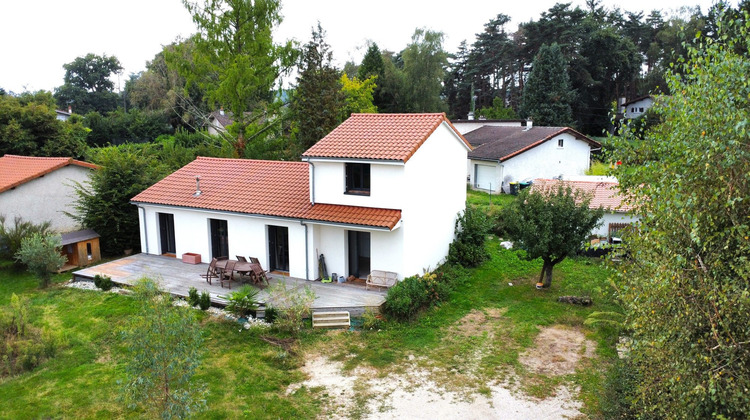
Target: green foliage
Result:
[11, 236]
[104, 203]
[413, 294]
[547, 97]
[193, 296]
[291, 306]
[243, 302]
[467, 249]
[498, 111]
[551, 224]
[372, 321]
[357, 96]
[318, 101]
[204, 302]
[598, 168]
[271, 313]
[42, 254]
[87, 86]
[686, 289]
[618, 394]
[22, 346]
[423, 72]
[133, 126]
[164, 347]
[103, 282]
[234, 60]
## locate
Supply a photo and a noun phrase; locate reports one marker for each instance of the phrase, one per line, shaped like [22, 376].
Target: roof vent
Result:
[529, 124]
[198, 191]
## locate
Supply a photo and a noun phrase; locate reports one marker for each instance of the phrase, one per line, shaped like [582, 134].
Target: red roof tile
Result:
[17, 170]
[379, 136]
[260, 187]
[603, 194]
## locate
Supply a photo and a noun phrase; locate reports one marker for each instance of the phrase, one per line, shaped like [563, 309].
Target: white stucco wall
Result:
[46, 198]
[386, 185]
[544, 161]
[436, 192]
[638, 108]
[248, 235]
[608, 218]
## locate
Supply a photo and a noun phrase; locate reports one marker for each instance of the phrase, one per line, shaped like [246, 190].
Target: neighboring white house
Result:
[604, 193]
[380, 192]
[638, 106]
[63, 115]
[218, 121]
[465, 126]
[39, 189]
[515, 154]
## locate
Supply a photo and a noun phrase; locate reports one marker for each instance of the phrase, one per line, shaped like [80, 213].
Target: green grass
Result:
[247, 377]
[490, 203]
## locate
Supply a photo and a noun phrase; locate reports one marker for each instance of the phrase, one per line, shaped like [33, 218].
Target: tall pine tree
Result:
[547, 96]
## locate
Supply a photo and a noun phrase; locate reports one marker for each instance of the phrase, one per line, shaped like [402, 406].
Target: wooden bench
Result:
[381, 278]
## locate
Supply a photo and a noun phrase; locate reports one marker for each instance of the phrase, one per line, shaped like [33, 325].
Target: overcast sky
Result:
[38, 36]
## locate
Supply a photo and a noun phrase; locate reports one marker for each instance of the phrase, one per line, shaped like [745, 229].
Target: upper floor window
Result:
[358, 178]
[560, 142]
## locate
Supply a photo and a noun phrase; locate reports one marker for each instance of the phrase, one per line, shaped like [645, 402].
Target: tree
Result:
[358, 96]
[42, 254]
[467, 249]
[373, 66]
[87, 86]
[686, 290]
[318, 99]
[235, 61]
[550, 223]
[104, 203]
[547, 97]
[164, 346]
[498, 111]
[424, 71]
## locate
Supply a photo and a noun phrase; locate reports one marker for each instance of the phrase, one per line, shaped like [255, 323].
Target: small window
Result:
[640, 109]
[88, 251]
[632, 109]
[560, 142]
[358, 178]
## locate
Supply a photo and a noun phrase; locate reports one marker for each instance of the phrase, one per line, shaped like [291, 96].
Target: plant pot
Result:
[191, 258]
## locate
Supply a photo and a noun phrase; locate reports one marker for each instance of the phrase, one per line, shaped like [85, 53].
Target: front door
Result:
[359, 253]
[278, 248]
[219, 238]
[166, 233]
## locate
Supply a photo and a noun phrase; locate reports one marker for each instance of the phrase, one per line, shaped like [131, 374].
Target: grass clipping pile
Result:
[461, 378]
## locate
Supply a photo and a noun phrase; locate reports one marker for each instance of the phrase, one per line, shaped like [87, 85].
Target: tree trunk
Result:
[545, 277]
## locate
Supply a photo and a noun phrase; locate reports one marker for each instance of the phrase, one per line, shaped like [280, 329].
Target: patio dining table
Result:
[241, 267]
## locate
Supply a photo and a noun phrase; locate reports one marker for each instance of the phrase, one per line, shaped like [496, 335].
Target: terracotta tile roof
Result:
[260, 187]
[17, 170]
[379, 136]
[502, 143]
[603, 194]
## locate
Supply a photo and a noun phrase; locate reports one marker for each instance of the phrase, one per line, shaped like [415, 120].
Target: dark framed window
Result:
[358, 178]
[560, 142]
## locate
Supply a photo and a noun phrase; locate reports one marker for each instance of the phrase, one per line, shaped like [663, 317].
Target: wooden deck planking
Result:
[177, 278]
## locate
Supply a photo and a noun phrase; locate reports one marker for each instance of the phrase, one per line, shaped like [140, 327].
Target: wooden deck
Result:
[177, 278]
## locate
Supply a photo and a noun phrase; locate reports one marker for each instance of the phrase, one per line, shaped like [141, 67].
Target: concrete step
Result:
[331, 319]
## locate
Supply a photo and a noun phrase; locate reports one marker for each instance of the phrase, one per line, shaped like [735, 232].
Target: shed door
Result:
[484, 177]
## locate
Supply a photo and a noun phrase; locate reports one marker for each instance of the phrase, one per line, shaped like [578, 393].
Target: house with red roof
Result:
[39, 189]
[379, 192]
[604, 193]
[505, 154]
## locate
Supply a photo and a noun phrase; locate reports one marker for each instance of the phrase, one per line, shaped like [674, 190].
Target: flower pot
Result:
[191, 258]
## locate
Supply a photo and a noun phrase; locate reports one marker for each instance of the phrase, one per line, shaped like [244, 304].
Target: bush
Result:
[271, 314]
[242, 302]
[371, 320]
[193, 297]
[103, 282]
[205, 301]
[11, 236]
[23, 346]
[42, 254]
[471, 230]
[618, 396]
[292, 306]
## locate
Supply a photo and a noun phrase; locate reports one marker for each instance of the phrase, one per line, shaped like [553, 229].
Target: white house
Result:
[638, 106]
[604, 193]
[503, 155]
[218, 121]
[380, 192]
[63, 115]
[39, 189]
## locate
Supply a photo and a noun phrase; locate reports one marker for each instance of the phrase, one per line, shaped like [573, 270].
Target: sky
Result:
[38, 36]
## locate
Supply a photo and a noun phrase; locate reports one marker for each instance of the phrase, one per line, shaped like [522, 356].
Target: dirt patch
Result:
[557, 351]
[477, 323]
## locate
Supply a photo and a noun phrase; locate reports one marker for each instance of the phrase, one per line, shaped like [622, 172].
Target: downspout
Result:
[145, 228]
[307, 255]
[312, 184]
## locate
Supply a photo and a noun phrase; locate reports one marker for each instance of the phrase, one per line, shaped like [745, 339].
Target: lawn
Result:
[247, 377]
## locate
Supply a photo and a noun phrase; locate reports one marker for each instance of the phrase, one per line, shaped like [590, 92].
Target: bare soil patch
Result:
[557, 351]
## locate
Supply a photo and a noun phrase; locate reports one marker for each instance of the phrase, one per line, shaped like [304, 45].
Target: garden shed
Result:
[81, 248]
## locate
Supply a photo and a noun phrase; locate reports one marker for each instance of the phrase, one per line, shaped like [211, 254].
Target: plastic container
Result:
[342, 279]
[513, 188]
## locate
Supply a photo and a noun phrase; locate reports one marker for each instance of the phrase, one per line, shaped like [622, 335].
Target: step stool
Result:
[331, 319]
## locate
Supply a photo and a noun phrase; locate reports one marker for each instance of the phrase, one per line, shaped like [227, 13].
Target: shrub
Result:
[409, 296]
[193, 297]
[271, 314]
[42, 254]
[11, 236]
[292, 306]
[618, 396]
[371, 320]
[204, 302]
[471, 230]
[23, 346]
[242, 302]
[103, 282]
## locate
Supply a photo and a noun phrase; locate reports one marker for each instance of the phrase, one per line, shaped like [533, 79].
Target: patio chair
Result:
[254, 260]
[258, 275]
[241, 258]
[227, 274]
[211, 272]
